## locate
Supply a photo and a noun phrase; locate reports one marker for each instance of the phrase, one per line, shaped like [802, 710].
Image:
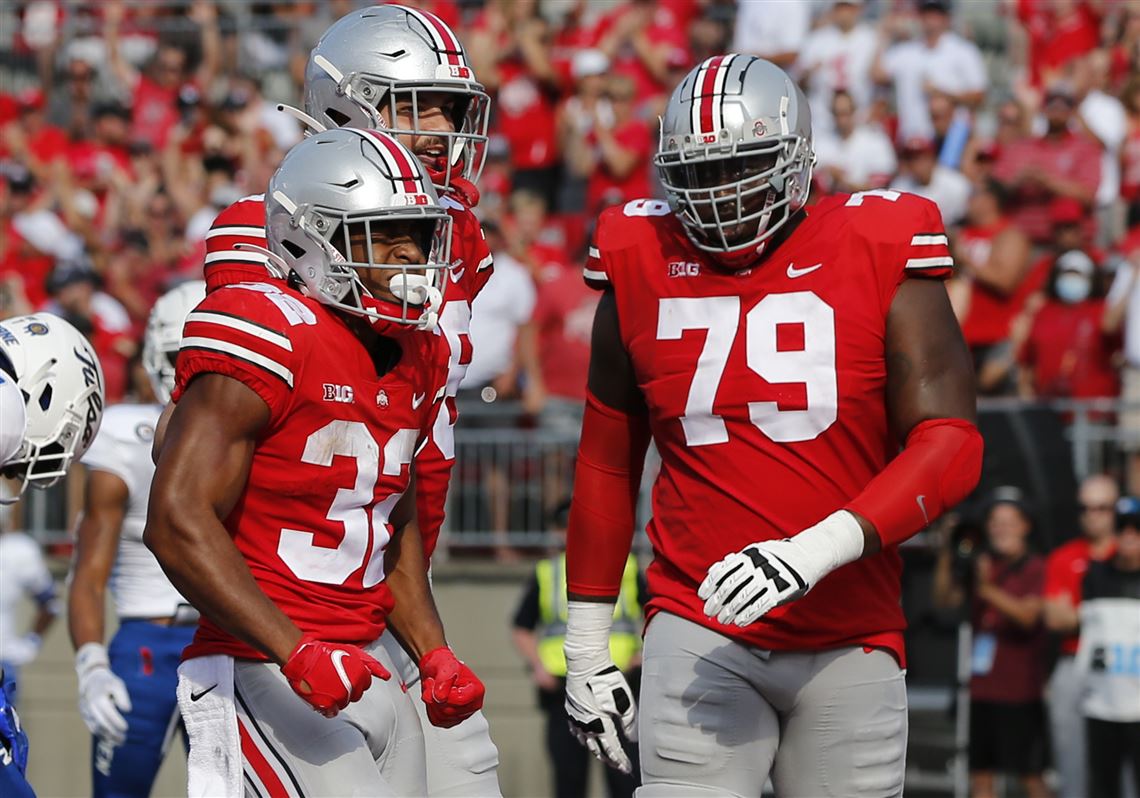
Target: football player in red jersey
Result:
[281, 504]
[778, 358]
[402, 69]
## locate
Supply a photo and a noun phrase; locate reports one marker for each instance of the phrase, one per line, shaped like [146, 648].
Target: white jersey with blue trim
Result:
[122, 448]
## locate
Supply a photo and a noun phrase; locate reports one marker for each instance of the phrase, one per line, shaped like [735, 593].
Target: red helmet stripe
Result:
[406, 170]
[442, 34]
[706, 94]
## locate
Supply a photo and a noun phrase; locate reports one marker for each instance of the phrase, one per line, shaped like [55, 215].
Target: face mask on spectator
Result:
[1073, 288]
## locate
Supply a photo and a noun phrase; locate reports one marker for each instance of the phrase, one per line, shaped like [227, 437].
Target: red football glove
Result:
[451, 691]
[330, 676]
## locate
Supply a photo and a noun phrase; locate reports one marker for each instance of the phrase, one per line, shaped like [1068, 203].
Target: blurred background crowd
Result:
[125, 127]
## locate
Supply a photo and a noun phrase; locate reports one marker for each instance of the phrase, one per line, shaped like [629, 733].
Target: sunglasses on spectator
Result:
[1097, 508]
[1063, 98]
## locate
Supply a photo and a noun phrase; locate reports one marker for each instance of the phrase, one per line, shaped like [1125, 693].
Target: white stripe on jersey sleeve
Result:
[241, 325]
[600, 277]
[929, 263]
[929, 240]
[227, 348]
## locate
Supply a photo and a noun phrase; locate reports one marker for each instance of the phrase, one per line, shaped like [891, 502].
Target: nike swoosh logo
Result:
[196, 696]
[456, 276]
[921, 499]
[418, 400]
[793, 272]
[336, 657]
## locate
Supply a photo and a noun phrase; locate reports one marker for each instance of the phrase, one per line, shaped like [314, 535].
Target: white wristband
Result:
[587, 643]
[89, 657]
[836, 540]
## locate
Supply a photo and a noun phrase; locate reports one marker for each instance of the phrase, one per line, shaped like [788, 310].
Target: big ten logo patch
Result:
[338, 393]
[684, 269]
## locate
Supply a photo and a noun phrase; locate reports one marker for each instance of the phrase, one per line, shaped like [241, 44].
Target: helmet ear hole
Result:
[294, 249]
[45, 398]
[338, 118]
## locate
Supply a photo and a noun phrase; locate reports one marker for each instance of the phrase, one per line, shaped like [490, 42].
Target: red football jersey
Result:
[766, 396]
[312, 522]
[471, 267]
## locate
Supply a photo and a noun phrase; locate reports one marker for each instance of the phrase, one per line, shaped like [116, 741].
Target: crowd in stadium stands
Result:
[134, 123]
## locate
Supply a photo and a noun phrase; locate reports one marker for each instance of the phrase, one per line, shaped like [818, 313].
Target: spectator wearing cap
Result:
[1068, 354]
[577, 115]
[992, 255]
[75, 293]
[614, 154]
[1062, 163]
[1003, 588]
[1065, 571]
[838, 57]
[921, 174]
[154, 91]
[853, 156]
[775, 30]
[1108, 658]
[938, 59]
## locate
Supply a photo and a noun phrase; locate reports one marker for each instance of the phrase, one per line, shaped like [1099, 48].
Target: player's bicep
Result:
[97, 536]
[209, 443]
[611, 378]
[929, 370]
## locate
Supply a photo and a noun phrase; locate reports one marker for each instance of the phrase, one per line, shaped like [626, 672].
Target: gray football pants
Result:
[718, 717]
[461, 761]
[1067, 727]
[372, 748]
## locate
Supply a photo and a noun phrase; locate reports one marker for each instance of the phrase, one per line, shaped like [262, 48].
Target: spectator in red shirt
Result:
[1007, 717]
[1130, 151]
[993, 261]
[30, 139]
[1065, 571]
[1068, 354]
[640, 37]
[1059, 164]
[614, 152]
[577, 115]
[1058, 32]
[155, 91]
[509, 49]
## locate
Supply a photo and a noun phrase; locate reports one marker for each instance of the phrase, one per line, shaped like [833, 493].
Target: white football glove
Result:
[598, 697]
[102, 695]
[22, 650]
[746, 585]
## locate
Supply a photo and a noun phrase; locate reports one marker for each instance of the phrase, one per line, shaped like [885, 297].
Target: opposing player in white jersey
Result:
[51, 405]
[403, 70]
[127, 691]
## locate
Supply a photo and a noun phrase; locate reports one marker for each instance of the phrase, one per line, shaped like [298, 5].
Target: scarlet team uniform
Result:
[471, 265]
[312, 522]
[766, 397]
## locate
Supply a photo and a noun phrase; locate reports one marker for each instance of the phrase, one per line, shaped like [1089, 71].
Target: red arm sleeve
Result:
[939, 466]
[433, 474]
[603, 509]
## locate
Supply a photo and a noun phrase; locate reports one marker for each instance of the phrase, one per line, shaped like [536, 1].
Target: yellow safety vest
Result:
[625, 636]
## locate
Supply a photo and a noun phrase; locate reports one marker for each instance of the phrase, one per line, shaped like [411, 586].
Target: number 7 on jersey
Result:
[813, 366]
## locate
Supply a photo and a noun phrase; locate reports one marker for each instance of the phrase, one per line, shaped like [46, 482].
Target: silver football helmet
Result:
[164, 334]
[61, 382]
[331, 195]
[735, 156]
[378, 56]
